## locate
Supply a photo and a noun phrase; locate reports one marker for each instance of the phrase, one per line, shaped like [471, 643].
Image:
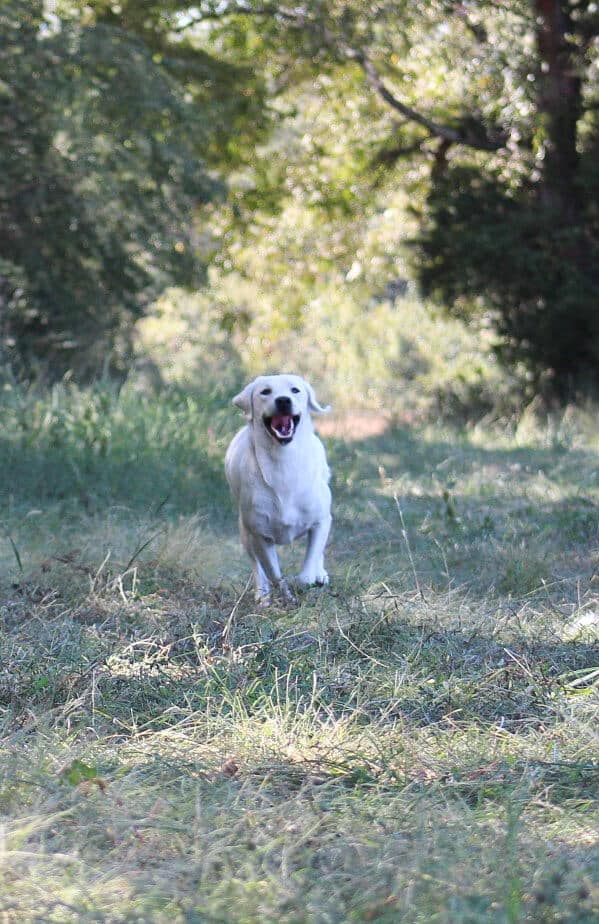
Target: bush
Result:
[361, 353]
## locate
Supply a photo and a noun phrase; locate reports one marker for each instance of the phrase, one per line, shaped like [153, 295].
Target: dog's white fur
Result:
[281, 488]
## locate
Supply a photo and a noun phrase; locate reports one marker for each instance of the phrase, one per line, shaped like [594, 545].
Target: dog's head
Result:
[279, 403]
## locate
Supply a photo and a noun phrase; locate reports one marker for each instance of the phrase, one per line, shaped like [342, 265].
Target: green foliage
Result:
[100, 167]
[184, 341]
[462, 105]
[396, 358]
[104, 445]
[78, 772]
[222, 87]
[320, 119]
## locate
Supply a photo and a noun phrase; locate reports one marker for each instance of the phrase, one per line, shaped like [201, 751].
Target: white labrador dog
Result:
[278, 474]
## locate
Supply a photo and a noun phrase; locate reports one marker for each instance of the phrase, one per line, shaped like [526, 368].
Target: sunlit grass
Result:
[415, 743]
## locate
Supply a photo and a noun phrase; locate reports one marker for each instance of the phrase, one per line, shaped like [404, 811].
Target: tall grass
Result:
[105, 444]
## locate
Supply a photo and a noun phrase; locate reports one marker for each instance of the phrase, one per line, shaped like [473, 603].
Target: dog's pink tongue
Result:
[283, 424]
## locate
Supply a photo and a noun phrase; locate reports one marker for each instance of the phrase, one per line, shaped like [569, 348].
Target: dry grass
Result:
[417, 743]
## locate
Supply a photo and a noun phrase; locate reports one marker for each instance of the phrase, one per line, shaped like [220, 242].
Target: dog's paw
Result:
[286, 591]
[310, 578]
[281, 589]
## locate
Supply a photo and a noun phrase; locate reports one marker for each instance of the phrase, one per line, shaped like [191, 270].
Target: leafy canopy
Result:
[104, 157]
[485, 113]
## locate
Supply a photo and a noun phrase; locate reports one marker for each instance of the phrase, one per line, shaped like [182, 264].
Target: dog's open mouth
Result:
[282, 426]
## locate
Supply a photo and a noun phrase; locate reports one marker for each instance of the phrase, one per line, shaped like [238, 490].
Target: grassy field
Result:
[416, 743]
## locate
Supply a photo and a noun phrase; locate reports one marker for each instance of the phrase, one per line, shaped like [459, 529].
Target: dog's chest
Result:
[283, 516]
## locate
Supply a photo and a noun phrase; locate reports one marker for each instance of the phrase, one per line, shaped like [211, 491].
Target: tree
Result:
[499, 99]
[101, 167]
[486, 113]
[526, 240]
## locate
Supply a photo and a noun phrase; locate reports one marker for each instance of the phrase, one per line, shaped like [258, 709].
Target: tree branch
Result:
[478, 30]
[480, 141]
[239, 10]
[447, 133]
[388, 156]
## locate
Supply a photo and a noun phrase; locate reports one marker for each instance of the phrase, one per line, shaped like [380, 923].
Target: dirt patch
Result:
[354, 425]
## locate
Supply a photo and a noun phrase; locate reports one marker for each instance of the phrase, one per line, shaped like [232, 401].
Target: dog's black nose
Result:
[283, 405]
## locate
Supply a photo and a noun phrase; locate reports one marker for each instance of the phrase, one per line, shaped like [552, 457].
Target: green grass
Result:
[416, 743]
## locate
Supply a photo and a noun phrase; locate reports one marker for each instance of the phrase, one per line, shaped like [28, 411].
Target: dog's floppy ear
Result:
[313, 404]
[244, 401]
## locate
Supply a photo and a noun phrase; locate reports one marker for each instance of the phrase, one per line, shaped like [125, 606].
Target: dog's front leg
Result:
[262, 585]
[267, 571]
[313, 570]
[265, 554]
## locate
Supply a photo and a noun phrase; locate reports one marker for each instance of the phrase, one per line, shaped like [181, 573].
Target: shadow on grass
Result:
[419, 455]
[496, 517]
[459, 690]
[400, 451]
[148, 478]
[187, 659]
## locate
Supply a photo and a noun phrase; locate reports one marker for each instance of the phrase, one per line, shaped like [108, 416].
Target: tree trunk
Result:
[560, 107]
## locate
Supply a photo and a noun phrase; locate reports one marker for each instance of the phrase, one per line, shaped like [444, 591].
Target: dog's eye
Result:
[266, 391]
[295, 391]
